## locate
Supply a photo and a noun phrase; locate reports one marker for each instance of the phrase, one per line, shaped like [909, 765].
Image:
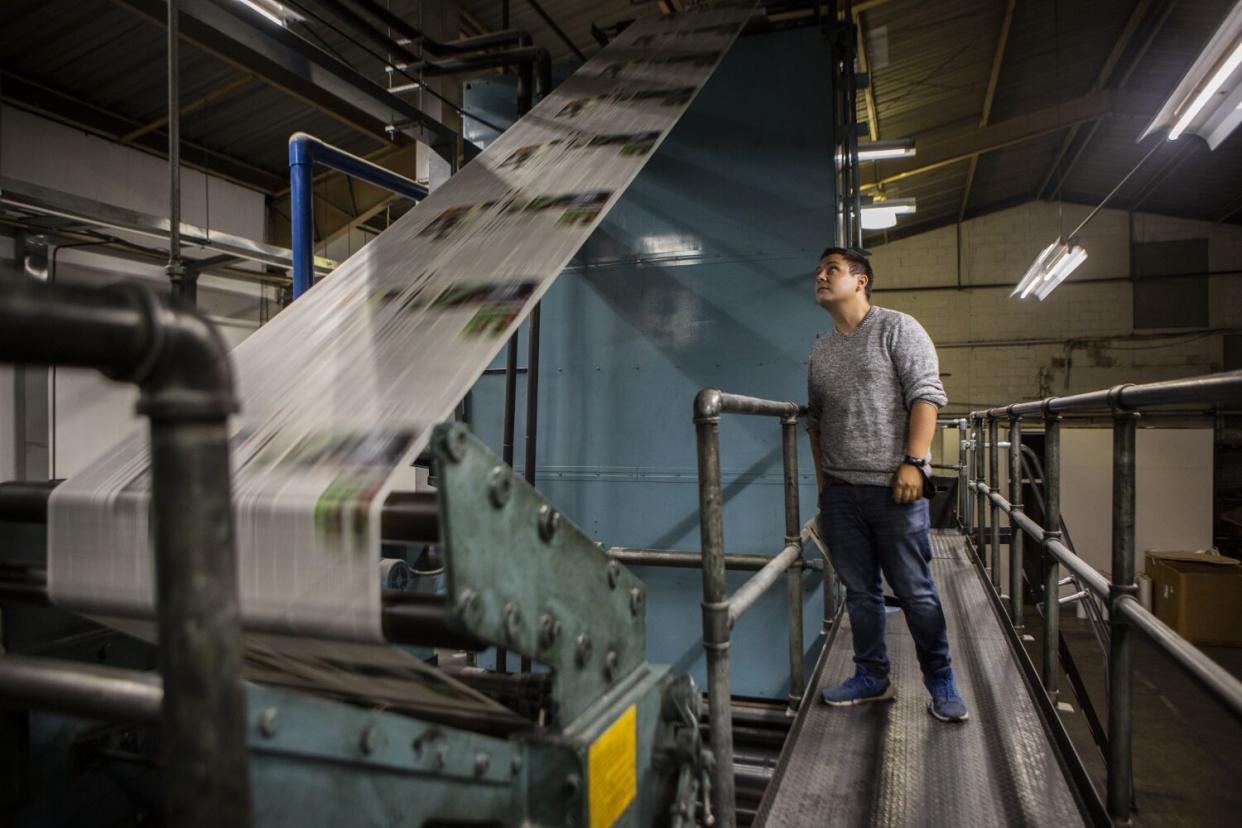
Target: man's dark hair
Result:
[857, 261]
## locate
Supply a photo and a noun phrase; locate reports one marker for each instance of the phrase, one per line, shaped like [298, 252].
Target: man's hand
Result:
[907, 484]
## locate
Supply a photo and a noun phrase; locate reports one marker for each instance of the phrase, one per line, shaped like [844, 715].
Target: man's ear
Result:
[863, 279]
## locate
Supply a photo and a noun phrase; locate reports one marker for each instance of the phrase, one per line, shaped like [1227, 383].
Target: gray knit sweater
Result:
[860, 387]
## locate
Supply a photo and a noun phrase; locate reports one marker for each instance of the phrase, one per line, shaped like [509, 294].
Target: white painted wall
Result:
[1173, 491]
[994, 349]
[53, 155]
[88, 413]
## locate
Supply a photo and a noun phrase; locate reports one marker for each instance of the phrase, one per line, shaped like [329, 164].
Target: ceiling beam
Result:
[64, 108]
[1017, 130]
[864, 66]
[234, 33]
[193, 106]
[998, 57]
[555, 27]
[1106, 71]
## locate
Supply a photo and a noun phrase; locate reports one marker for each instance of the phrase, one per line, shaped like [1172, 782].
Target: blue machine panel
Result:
[701, 276]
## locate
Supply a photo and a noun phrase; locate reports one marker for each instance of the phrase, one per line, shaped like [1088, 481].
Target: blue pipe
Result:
[305, 151]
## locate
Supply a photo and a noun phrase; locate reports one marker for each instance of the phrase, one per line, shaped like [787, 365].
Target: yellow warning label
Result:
[612, 770]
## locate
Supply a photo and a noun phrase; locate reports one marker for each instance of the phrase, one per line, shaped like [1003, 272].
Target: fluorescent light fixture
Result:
[1063, 268]
[273, 11]
[879, 218]
[880, 150]
[881, 215]
[1208, 101]
[1057, 261]
[1212, 87]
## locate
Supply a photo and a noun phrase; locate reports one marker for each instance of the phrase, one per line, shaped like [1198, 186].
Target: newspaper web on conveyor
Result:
[342, 388]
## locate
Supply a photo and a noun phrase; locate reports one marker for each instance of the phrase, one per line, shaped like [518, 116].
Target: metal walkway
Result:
[893, 764]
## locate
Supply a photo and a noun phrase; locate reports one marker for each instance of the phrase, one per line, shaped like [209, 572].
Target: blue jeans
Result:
[867, 533]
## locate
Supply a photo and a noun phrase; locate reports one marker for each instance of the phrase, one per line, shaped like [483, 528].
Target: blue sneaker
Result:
[946, 704]
[859, 688]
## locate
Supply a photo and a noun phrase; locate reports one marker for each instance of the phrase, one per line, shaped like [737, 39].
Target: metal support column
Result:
[174, 270]
[1016, 535]
[793, 532]
[532, 413]
[524, 101]
[1052, 533]
[1120, 668]
[715, 614]
[506, 448]
[994, 484]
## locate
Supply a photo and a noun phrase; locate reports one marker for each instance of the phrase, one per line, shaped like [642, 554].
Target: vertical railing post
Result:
[980, 497]
[963, 474]
[1052, 532]
[715, 604]
[1016, 535]
[994, 485]
[793, 534]
[1120, 669]
[793, 578]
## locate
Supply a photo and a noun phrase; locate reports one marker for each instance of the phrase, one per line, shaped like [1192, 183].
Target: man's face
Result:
[834, 282]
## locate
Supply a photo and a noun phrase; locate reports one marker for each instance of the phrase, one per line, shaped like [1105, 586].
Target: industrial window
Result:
[1164, 296]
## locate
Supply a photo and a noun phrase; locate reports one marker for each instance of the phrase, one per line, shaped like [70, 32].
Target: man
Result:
[874, 390]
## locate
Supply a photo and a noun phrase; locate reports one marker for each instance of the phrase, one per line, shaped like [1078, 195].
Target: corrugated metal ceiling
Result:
[930, 65]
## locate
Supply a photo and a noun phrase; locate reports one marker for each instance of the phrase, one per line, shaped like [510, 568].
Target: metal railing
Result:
[1120, 593]
[720, 610]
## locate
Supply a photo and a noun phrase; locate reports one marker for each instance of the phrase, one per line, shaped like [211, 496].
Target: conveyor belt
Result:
[893, 764]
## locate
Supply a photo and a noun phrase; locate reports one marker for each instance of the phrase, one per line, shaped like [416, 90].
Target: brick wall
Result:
[996, 349]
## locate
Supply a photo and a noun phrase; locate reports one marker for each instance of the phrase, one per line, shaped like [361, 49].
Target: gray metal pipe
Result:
[1120, 669]
[1052, 573]
[1223, 387]
[981, 497]
[199, 622]
[963, 473]
[181, 365]
[712, 402]
[1096, 582]
[1016, 537]
[793, 528]
[793, 582]
[687, 560]
[994, 485]
[1216, 680]
[715, 613]
[759, 583]
[77, 688]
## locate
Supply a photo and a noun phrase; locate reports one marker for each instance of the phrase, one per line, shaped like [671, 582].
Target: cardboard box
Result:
[1199, 595]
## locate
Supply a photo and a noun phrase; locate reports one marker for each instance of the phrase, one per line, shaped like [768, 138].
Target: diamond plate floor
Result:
[893, 764]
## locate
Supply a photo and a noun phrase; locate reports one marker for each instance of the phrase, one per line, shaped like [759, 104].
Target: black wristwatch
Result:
[917, 462]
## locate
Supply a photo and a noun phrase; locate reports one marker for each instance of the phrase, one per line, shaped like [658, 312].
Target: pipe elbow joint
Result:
[707, 406]
[186, 374]
[301, 149]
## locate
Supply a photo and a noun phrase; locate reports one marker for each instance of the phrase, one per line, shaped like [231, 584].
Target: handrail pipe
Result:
[1120, 589]
[720, 610]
